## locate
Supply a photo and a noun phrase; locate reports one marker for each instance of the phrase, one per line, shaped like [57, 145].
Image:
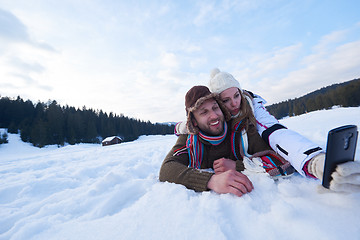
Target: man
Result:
[208, 147]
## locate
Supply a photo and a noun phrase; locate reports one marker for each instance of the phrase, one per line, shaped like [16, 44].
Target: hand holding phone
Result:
[340, 148]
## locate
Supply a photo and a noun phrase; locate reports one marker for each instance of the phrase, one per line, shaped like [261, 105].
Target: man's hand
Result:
[224, 164]
[230, 181]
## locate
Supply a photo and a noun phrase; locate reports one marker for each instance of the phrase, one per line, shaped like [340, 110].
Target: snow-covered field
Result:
[91, 192]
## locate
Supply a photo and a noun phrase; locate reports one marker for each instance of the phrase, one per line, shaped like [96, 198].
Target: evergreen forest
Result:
[345, 94]
[49, 123]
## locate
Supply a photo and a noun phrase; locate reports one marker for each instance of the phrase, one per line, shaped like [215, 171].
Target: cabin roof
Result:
[108, 139]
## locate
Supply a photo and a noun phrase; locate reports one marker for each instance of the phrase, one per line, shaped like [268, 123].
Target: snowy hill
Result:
[91, 192]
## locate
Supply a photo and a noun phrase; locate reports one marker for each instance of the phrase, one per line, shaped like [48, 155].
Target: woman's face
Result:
[232, 99]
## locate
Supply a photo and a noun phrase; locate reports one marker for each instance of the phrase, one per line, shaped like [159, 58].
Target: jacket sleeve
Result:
[180, 128]
[289, 144]
[264, 119]
[175, 168]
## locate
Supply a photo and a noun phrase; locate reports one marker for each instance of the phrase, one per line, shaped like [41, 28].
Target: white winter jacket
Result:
[289, 144]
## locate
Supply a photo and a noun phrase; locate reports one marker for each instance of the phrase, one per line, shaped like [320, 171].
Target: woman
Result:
[306, 157]
[239, 104]
[292, 146]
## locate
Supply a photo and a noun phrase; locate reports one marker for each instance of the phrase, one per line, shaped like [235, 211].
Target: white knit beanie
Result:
[220, 81]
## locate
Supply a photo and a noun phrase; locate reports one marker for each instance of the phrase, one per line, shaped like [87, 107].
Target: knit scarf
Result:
[242, 142]
[196, 147]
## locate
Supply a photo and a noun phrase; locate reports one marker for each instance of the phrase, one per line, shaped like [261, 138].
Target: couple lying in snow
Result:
[229, 130]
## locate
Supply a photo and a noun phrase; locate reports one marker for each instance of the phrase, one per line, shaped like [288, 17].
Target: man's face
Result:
[209, 118]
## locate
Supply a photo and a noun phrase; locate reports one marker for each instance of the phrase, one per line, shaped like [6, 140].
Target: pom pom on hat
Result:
[214, 72]
[220, 81]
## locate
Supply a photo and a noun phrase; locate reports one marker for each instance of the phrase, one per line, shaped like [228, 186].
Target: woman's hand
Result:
[224, 164]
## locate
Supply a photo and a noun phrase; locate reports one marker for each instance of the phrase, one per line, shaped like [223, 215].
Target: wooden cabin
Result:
[111, 140]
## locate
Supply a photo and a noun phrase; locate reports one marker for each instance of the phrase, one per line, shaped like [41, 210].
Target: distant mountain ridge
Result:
[345, 94]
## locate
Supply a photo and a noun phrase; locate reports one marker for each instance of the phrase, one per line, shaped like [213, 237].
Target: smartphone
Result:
[340, 148]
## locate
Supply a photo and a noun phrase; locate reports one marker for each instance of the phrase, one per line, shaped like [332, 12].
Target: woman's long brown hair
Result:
[246, 112]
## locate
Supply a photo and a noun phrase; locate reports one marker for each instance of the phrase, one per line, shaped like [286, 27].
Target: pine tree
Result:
[4, 138]
[55, 121]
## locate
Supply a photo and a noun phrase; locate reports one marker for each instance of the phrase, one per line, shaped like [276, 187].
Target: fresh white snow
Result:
[88, 191]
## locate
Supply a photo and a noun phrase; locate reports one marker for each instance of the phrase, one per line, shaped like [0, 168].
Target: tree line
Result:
[345, 94]
[49, 123]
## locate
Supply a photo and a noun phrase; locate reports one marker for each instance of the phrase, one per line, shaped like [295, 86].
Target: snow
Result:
[87, 191]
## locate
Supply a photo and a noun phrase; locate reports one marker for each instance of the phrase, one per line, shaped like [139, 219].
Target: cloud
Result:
[23, 59]
[44, 46]
[332, 38]
[320, 69]
[260, 69]
[141, 59]
[20, 73]
[294, 71]
[197, 62]
[29, 82]
[26, 66]
[12, 28]
[7, 85]
[206, 14]
[169, 60]
[215, 12]
[279, 59]
[14, 31]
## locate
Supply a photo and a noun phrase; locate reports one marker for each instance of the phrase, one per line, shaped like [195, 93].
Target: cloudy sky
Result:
[139, 58]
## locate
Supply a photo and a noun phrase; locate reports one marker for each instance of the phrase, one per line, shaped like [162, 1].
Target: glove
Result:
[316, 166]
[180, 128]
[345, 178]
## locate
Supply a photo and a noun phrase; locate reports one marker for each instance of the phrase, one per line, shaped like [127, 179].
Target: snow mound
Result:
[87, 191]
